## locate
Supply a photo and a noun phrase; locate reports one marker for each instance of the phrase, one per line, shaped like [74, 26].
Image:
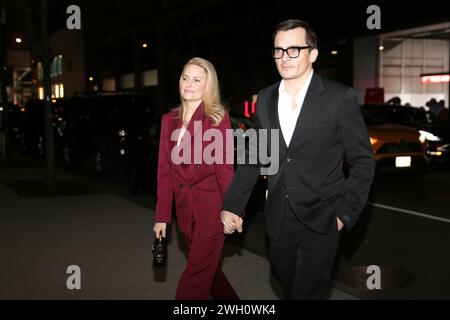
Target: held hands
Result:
[339, 224]
[160, 229]
[231, 222]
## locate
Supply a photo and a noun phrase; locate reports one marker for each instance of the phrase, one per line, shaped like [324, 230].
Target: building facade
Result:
[411, 65]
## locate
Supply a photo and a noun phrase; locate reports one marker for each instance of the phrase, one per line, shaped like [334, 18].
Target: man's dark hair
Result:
[311, 37]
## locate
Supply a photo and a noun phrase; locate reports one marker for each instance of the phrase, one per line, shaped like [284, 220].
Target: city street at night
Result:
[301, 147]
[404, 230]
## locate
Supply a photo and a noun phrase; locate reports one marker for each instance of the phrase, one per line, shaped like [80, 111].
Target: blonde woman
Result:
[198, 188]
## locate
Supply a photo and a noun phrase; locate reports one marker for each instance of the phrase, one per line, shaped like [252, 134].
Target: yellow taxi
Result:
[397, 148]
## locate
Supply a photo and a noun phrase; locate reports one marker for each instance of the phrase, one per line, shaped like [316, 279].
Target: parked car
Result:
[108, 131]
[33, 137]
[397, 148]
[16, 115]
[435, 134]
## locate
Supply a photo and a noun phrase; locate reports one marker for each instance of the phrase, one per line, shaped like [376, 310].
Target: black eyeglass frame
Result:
[299, 48]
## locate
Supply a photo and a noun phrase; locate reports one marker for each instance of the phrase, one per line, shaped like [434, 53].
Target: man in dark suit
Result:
[309, 200]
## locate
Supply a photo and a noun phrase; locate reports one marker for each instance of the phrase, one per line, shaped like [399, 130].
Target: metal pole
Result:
[48, 111]
[3, 79]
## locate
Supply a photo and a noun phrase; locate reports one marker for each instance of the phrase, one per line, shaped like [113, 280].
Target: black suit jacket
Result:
[310, 178]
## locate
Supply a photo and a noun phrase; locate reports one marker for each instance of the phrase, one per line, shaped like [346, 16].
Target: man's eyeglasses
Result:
[292, 52]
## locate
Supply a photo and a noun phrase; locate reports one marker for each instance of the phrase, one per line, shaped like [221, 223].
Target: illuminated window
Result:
[56, 91]
[56, 67]
[438, 78]
[53, 68]
[41, 93]
[110, 84]
[40, 72]
[60, 65]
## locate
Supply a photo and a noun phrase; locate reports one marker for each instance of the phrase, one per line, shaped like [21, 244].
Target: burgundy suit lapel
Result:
[175, 127]
[187, 142]
[198, 115]
[176, 124]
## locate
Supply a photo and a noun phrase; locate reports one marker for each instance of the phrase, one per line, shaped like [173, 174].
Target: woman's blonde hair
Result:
[211, 99]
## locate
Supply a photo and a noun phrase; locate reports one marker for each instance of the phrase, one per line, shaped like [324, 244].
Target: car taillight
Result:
[373, 141]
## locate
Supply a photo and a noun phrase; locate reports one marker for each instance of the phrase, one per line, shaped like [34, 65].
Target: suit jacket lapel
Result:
[188, 142]
[176, 125]
[273, 117]
[198, 115]
[311, 105]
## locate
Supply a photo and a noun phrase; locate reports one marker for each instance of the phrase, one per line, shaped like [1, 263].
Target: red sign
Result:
[247, 111]
[438, 78]
[374, 96]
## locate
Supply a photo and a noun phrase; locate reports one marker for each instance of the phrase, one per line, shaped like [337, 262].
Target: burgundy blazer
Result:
[199, 188]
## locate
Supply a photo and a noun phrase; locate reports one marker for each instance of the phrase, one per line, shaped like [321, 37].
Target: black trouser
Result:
[303, 259]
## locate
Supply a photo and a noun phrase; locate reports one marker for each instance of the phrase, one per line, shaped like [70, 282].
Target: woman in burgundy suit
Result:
[198, 187]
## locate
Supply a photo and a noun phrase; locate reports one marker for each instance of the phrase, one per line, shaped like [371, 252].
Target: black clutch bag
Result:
[159, 250]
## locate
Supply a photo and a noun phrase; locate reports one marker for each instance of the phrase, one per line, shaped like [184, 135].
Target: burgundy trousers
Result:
[203, 276]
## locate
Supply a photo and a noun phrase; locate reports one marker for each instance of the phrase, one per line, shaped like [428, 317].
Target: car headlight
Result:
[428, 136]
[444, 148]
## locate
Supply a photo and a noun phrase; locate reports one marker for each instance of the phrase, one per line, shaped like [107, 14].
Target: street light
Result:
[18, 40]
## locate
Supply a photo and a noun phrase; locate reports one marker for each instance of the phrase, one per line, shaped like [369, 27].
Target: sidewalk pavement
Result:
[110, 239]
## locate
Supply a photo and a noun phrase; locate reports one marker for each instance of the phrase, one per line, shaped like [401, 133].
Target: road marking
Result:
[414, 213]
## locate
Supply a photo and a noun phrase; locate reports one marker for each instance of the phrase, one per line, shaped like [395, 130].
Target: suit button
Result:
[181, 186]
[286, 196]
[288, 159]
[283, 187]
[197, 166]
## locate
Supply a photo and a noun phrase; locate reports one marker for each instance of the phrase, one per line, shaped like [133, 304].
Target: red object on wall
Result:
[374, 95]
